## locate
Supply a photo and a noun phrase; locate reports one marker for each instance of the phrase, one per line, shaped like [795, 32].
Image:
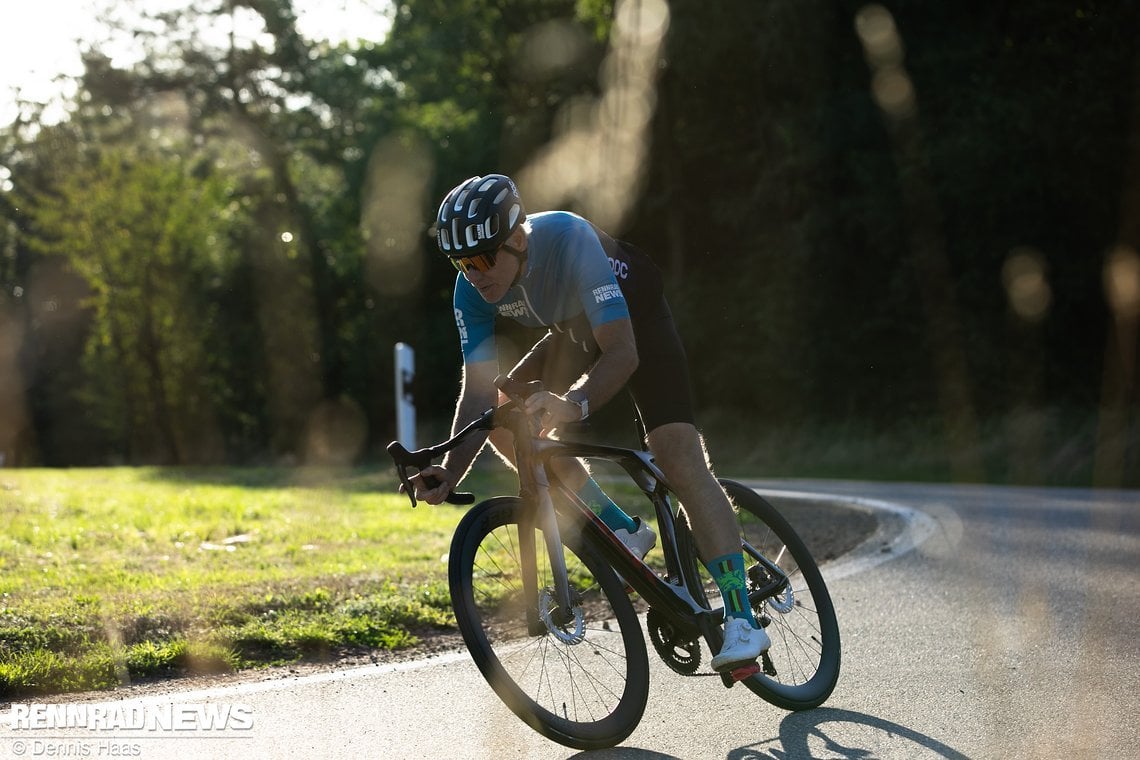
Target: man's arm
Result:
[614, 367]
[477, 394]
[601, 382]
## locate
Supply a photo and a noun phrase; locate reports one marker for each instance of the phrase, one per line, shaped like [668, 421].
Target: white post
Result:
[405, 401]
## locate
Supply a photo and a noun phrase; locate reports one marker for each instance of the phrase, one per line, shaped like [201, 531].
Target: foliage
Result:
[151, 239]
[827, 259]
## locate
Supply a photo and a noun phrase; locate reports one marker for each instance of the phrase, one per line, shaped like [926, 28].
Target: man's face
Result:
[494, 283]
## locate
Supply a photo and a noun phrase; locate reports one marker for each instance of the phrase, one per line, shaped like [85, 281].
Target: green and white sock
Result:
[604, 507]
[728, 572]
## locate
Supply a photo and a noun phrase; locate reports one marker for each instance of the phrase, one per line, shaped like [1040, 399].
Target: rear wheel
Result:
[794, 606]
[579, 677]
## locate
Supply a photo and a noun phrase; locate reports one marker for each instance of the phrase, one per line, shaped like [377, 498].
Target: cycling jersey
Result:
[577, 278]
[568, 274]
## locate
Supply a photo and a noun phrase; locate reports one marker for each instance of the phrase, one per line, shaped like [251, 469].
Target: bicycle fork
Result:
[542, 517]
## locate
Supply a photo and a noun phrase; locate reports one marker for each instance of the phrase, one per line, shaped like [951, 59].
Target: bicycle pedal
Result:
[747, 670]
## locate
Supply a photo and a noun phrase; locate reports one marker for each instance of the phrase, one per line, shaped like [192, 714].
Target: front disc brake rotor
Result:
[574, 632]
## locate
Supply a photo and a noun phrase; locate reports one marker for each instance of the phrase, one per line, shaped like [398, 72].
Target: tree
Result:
[151, 236]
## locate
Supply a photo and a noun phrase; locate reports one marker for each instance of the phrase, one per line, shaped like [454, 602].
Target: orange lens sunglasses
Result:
[480, 262]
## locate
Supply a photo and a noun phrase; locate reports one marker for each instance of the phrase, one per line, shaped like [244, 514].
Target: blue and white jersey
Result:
[568, 274]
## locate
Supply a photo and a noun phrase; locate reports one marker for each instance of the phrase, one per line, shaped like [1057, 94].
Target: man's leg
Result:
[571, 471]
[574, 474]
[558, 362]
[680, 454]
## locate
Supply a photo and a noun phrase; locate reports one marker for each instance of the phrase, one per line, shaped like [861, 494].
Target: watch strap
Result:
[578, 396]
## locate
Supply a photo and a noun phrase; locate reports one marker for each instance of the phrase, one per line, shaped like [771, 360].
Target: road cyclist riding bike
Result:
[608, 328]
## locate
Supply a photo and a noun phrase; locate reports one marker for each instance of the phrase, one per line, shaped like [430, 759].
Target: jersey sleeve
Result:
[598, 289]
[475, 321]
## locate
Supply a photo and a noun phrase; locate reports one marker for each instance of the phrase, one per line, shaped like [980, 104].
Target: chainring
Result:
[680, 653]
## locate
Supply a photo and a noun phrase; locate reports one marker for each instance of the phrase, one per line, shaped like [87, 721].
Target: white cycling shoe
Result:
[640, 541]
[742, 645]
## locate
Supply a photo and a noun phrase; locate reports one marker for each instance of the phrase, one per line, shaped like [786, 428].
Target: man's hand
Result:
[433, 484]
[552, 410]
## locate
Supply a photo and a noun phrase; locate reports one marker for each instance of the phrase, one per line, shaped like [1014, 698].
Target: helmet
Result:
[478, 216]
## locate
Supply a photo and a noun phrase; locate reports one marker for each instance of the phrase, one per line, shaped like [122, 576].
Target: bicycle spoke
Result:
[583, 681]
[805, 637]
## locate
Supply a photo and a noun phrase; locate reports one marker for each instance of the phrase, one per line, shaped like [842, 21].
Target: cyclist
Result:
[608, 326]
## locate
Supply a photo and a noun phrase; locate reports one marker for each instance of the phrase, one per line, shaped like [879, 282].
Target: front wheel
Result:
[802, 666]
[578, 677]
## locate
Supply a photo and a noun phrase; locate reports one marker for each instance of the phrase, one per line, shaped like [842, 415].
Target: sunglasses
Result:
[481, 262]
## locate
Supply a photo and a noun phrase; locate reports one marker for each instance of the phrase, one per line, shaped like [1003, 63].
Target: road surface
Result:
[980, 622]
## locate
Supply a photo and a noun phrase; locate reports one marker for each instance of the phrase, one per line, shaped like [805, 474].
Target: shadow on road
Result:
[811, 734]
[623, 753]
[827, 732]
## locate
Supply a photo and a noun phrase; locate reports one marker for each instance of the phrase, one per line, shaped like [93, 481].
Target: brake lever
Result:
[419, 460]
[517, 390]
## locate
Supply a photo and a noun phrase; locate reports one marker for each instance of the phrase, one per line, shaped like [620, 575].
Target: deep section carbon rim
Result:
[803, 663]
[581, 678]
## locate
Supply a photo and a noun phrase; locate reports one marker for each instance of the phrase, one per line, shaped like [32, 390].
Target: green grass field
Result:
[110, 575]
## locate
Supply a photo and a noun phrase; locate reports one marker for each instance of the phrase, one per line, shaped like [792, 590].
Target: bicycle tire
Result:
[588, 694]
[805, 651]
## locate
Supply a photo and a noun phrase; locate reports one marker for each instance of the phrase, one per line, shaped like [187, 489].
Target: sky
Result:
[39, 38]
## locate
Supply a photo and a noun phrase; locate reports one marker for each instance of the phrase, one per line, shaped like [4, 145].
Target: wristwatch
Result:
[578, 396]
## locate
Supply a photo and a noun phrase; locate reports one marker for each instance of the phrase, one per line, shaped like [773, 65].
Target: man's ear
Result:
[517, 239]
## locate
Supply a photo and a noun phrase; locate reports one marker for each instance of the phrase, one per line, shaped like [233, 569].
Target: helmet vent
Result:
[459, 201]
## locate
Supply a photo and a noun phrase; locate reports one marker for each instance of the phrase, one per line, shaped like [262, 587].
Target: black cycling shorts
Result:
[660, 385]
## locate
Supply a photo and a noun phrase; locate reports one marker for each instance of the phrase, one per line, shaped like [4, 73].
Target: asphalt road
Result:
[979, 622]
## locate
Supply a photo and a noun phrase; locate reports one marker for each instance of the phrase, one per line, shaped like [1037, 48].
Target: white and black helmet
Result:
[478, 216]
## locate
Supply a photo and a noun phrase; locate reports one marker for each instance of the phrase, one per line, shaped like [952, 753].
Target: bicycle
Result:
[539, 588]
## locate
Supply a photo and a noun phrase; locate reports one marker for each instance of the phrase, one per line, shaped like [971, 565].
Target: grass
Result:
[108, 576]
[112, 575]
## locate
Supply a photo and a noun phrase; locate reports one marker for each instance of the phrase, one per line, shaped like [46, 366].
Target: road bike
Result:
[540, 589]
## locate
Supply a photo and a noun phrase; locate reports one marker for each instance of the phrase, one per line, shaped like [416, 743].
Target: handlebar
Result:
[418, 460]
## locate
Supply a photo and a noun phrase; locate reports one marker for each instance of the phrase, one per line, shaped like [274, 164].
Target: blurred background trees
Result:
[873, 219]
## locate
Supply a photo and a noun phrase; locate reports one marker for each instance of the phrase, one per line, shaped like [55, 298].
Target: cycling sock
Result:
[603, 506]
[728, 572]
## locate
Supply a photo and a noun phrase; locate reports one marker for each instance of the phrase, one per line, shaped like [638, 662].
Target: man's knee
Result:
[503, 441]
